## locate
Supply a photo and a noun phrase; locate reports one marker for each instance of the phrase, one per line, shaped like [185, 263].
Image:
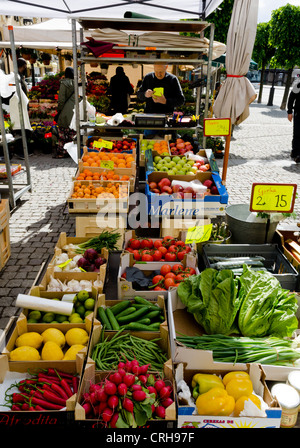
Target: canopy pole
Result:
[6, 158]
[208, 75]
[77, 116]
[83, 80]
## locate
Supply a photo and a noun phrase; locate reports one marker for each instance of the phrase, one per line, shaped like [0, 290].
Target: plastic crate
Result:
[275, 260]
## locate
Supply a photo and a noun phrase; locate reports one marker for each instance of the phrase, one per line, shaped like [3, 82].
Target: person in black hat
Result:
[120, 90]
[293, 111]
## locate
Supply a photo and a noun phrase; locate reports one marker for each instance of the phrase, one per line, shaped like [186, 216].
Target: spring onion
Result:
[271, 350]
[107, 239]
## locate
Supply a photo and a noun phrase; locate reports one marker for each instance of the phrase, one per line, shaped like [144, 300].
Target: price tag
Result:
[158, 91]
[109, 164]
[216, 127]
[198, 234]
[103, 144]
[63, 265]
[272, 198]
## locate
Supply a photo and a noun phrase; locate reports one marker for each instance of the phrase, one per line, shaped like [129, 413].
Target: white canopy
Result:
[160, 9]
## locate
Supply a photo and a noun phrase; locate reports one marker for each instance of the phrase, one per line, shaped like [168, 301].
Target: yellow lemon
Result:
[76, 336]
[52, 352]
[30, 339]
[25, 353]
[54, 335]
[72, 352]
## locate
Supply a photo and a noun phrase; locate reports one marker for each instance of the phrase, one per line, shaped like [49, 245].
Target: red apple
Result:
[188, 190]
[214, 190]
[164, 181]
[180, 146]
[152, 185]
[208, 183]
[166, 189]
[177, 188]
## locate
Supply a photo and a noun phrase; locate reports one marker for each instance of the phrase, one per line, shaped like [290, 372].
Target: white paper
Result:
[196, 185]
[46, 305]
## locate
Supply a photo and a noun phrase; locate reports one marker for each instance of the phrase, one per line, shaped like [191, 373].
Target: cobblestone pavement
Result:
[259, 152]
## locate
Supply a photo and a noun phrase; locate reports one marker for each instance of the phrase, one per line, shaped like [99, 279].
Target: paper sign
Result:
[158, 91]
[103, 144]
[63, 265]
[198, 234]
[272, 198]
[109, 164]
[216, 127]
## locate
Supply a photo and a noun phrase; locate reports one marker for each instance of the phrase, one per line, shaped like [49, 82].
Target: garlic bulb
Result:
[62, 258]
[74, 285]
[86, 284]
[57, 269]
[98, 284]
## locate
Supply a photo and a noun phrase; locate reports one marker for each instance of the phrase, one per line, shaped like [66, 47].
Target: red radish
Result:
[159, 384]
[135, 369]
[93, 398]
[113, 401]
[143, 379]
[139, 395]
[101, 395]
[110, 388]
[153, 408]
[144, 369]
[160, 411]
[152, 390]
[128, 404]
[127, 366]
[122, 389]
[121, 365]
[101, 406]
[136, 387]
[167, 402]
[94, 387]
[129, 379]
[107, 414]
[114, 420]
[116, 378]
[122, 372]
[164, 393]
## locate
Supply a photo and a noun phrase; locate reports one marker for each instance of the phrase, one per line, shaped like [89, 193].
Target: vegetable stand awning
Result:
[159, 9]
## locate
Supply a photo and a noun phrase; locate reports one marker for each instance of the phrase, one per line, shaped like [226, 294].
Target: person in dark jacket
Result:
[65, 109]
[293, 111]
[161, 91]
[120, 88]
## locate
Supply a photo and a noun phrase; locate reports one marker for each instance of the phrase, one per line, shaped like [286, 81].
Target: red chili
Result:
[39, 408]
[59, 390]
[25, 407]
[17, 398]
[75, 381]
[15, 407]
[47, 379]
[66, 387]
[49, 396]
[46, 404]
[59, 373]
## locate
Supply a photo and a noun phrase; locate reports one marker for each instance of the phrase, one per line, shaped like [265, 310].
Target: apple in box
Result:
[164, 187]
[180, 147]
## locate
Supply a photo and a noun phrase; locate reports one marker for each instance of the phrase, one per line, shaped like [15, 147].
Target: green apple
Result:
[180, 173]
[190, 162]
[181, 162]
[172, 163]
[167, 159]
[176, 159]
[171, 173]
[159, 166]
[157, 159]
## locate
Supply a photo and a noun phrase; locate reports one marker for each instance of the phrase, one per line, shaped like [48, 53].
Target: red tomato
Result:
[169, 282]
[180, 243]
[187, 248]
[157, 255]
[163, 250]
[136, 255]
[129, 249]
[181, 277]
[165, 269]
[177, 268]
[172, 248]
[168, 241]
[190, 271]
[157, 279]
[158, 288]
[146, 243]
[157, 244]
[134, 243]
[170, 275]
[124, 275]
[147, 257]
[180, 255]
[170, 256]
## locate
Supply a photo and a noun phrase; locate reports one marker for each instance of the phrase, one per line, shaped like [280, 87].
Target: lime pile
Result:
[83, 306]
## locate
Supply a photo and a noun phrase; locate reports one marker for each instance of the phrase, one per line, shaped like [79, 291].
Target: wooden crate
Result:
[98, 205]
[90, 226]
[119, 171]
[4, 233]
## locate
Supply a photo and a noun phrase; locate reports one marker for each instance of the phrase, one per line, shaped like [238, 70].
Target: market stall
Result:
[155, 314]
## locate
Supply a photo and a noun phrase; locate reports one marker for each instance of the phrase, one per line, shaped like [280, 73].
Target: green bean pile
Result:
[122, 347]
[272, 350]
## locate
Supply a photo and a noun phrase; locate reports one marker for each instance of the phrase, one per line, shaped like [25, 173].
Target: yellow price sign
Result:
[272, 198]
[198, 234]
[109, 164]
[216, 127]
[103, 144]
[158, 91]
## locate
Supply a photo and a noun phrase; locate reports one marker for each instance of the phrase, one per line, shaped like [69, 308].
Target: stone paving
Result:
[259, 152]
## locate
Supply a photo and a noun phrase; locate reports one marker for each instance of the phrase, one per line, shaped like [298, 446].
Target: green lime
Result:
[87, 313]
[80, 310]
[65, 322]
[75, 320]
[82, 296]
[32, 321]
[48, 317]
[89, 304]
[60, 318]
[36, 315]
[73, 315]
[54, 322]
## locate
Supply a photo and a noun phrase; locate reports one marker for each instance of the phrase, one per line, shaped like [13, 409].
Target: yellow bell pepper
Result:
[238, 387]
[203, 382]
[215, 402]
[235, 374]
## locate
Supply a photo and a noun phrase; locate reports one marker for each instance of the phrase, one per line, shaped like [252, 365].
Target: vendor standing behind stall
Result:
[161, 91]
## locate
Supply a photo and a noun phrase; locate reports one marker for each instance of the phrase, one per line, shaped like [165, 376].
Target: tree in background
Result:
[285, 37]
[263, 51]
[221, 18]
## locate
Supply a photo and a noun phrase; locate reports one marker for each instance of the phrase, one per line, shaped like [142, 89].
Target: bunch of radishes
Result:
[128, 397]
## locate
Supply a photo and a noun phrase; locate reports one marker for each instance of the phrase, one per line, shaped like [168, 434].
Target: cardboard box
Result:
[5, 249]
[98, 205]
[13, 372]
[21, 328]
[90, 226]
[92, 376]
[157, 299]
[125, 288]
[38, 292]
[186, 418]
[204, 206]
[180, 321]
[293, 256]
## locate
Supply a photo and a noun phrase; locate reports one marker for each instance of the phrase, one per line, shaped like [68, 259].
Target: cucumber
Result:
[120, 307]
[129, 310]
[133, 316]
[112, 320]
[151, 307]
[144, 321]
[152, 314]
[142, 301]
[136, 326]
[103, 318]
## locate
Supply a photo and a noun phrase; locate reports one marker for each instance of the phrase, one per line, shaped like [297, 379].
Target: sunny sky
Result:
[266, 7]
